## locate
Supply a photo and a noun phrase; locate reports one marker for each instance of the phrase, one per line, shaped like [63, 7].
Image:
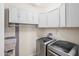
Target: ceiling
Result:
[35, 7]
[44, 7]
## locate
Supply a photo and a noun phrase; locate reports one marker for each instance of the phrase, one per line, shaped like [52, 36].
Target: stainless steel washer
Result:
[62, 48]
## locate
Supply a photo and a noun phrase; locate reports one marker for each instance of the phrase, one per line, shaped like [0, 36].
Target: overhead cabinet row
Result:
[65, 15]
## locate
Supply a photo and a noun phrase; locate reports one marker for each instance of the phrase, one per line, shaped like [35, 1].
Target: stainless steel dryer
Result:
[41, 45]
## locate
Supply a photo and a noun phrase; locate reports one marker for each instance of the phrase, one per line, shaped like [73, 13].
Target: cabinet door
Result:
[53, 18]
[28, 17]
[13, 15]
[42, 20]
[72, 14]
[62, 15]
[35, 18]
[23, 17]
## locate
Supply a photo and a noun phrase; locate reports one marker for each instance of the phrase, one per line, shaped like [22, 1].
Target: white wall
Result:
[27, 37]
[68, 34]
[1, 29]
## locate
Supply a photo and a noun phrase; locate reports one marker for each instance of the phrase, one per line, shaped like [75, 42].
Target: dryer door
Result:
[50, 53]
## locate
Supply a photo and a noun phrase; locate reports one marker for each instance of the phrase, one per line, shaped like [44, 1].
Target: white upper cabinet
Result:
[62, 20]
[22, 16]
[13, 15]
[67, 15]
[42, 20]
[50, 18]
[35, 18]
[72, 15]
[53, 18]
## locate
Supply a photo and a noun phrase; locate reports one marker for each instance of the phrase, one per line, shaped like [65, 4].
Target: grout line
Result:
[11, 37]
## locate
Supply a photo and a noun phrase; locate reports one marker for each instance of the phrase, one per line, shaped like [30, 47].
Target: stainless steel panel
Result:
[50, 53]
